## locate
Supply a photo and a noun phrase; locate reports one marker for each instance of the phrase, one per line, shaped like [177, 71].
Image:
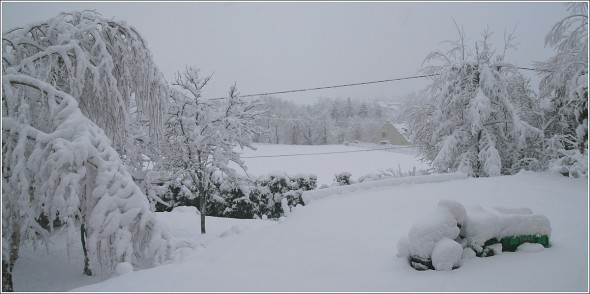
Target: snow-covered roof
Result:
[402, 128]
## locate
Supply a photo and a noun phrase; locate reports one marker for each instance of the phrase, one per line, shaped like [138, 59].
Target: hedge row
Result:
[263, 197]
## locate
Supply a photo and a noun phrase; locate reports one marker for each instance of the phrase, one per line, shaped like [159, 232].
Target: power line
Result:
[330, 87]
[362, 121]
[324, 153]
[528, 68]
[349, 85]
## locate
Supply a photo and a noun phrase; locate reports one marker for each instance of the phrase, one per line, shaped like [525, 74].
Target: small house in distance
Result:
[389, 132]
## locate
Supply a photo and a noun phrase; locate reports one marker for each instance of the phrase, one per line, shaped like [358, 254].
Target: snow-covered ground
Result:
[325, 166]
[347, 241]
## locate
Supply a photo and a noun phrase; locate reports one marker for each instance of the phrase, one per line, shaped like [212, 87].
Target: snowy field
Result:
[345, 159]
[346, 241]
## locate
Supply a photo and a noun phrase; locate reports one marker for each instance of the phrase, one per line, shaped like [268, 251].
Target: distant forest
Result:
[327, 121]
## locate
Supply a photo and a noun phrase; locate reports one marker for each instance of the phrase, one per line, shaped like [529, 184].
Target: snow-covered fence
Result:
[309, 196]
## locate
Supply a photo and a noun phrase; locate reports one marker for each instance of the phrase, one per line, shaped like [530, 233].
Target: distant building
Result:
[393, 134]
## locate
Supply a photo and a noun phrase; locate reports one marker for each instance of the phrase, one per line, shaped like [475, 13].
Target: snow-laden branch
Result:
[71, 171]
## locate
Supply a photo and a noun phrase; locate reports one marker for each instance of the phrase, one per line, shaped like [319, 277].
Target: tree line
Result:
[326, 121]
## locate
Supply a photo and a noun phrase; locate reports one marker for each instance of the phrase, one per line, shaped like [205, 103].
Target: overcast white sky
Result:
[265, 47]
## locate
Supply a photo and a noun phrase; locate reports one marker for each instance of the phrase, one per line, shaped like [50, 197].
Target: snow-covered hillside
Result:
[348, 242]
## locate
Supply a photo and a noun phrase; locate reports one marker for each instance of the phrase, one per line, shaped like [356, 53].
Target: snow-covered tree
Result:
[58, 74]
[102, 63]
[106, 66]
[564, 88]
[202, 135]
[471, 124]
[66, 169]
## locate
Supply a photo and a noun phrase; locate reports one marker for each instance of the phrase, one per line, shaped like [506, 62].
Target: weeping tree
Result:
[202, 136]
[68, 86]
[564, 88]
[472, 123]
[106, 66]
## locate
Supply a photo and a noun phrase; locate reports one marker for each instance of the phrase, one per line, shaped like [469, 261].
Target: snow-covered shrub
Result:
[176, 193]
[343, 179]
[572, 163]
[271, 190]
[306, 182]
[246, 198]
[393, 173]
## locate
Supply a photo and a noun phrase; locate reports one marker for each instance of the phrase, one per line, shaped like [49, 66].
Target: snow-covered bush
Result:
[271, 189]
[342, 179]
[450, 234]
[246, 198]
[393, 173]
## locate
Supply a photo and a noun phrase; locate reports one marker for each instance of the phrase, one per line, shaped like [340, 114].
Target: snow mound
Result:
[483, 224]
[312, 195]
[451, 233]
[468, 253]
[456, 209]
[123, 268]
[446, 254]
[515, 210]
[530, 247]
[403, 247]
[186, 209]
[425, 233]
[235, 229]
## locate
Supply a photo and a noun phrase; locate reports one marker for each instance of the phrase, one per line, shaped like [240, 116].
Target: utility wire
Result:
[329, 87]
[323, 153]
[349, 85]
[528, 68]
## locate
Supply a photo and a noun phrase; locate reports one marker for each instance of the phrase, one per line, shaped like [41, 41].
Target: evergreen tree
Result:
[363, 110]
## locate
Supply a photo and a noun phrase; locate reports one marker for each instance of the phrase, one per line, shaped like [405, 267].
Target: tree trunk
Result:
[8, 265]
[87, 270]
[6, 277]
[203, 213]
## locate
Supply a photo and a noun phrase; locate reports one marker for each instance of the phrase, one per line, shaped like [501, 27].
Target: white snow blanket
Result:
[450, 221]
[309, 196]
